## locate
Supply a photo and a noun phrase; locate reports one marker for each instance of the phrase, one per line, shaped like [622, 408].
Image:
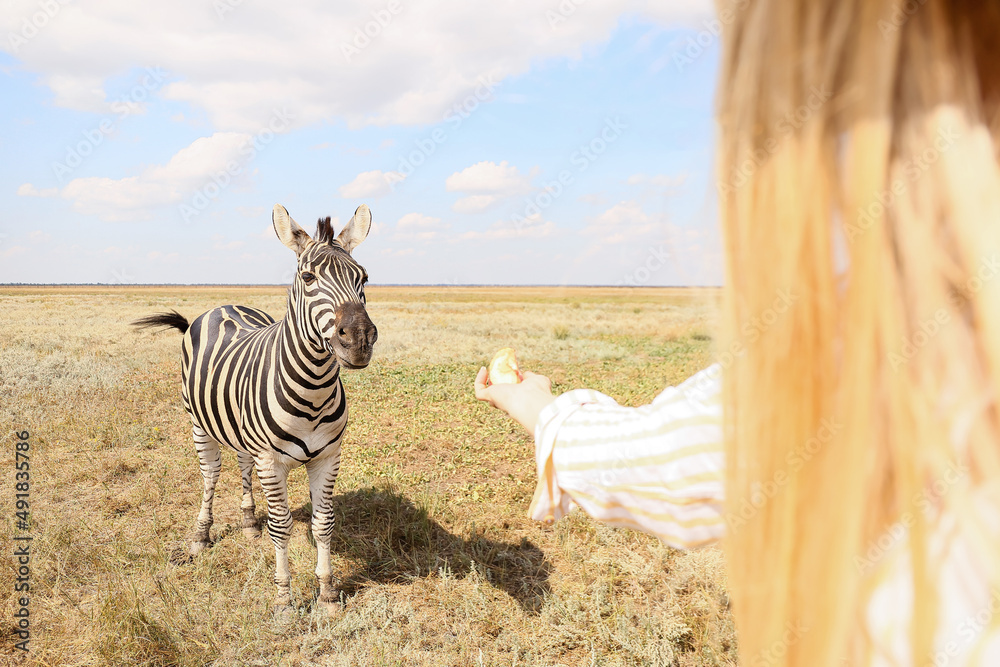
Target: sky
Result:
[561, 142]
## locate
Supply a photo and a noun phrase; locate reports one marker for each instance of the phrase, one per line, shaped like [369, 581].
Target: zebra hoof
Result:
[329, 608]
[198, 547]
[251, 532]
[283, 613]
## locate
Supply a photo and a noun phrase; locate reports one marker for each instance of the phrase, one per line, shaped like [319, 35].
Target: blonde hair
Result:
[860, 203]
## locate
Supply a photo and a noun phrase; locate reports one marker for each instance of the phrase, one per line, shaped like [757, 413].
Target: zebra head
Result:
[327, 297]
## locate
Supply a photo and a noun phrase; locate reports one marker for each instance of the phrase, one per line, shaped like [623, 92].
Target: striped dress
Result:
[658, 468]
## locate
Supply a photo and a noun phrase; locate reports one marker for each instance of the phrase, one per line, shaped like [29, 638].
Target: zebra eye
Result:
[308, 277]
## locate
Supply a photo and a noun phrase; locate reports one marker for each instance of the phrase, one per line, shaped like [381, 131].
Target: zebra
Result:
[272, 391]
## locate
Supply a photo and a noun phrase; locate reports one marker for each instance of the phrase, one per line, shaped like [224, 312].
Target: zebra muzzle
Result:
[354, 336]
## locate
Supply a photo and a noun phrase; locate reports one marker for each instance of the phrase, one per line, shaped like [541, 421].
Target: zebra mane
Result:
[324, 231]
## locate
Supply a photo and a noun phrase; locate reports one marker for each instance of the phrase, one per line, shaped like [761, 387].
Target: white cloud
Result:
[375, 183]
[216, 157]
[419, 227]
[399, 253]
[38, 236]
[122, 199]
[692, 13]
[663, 181]
[417, 236]
[475, 203]
[594, 199]
[29, 190]
[254, 213]
[487, 184]
[535, 228]
[239, 64]
[419, 221]
[84, 92]
[204, 156]
[624, 220]
[13, 251]
[489, 178]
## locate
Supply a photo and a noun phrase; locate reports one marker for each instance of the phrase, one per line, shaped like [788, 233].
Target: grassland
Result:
[438, 563]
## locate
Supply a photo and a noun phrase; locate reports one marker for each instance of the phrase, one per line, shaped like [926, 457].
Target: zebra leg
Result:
[250, 528]
[322, 476]
[274, 481]
[210, 462]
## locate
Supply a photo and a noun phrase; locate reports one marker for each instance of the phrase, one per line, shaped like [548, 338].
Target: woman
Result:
[858, 168]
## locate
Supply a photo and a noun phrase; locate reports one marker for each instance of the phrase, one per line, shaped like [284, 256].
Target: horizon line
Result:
[125, 285]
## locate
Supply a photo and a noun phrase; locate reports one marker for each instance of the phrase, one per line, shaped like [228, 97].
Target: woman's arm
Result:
[658, 468]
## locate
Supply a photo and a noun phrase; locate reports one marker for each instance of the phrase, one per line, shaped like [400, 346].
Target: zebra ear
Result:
[357, 229]
[288, 230]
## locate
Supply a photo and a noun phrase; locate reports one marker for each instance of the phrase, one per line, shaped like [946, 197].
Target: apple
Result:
[503, 368]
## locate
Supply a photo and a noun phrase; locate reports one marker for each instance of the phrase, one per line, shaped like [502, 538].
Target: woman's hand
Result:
[522, 401]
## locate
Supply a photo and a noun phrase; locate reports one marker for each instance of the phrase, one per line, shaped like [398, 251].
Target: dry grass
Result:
[439, 564]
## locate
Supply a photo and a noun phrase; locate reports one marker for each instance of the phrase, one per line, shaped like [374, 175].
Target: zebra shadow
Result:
[395, 541]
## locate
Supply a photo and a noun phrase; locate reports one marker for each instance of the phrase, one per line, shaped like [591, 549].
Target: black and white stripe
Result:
[272, 391]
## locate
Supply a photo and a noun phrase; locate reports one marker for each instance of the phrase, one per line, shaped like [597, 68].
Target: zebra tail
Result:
[162, 321]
